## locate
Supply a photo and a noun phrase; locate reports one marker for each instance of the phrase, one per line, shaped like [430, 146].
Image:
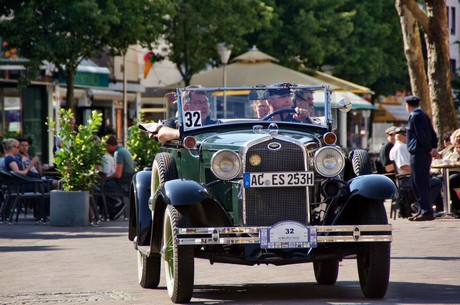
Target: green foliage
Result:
[142, 147]
[66, 32]
[195, 27]
[80, 154]
[361, 40]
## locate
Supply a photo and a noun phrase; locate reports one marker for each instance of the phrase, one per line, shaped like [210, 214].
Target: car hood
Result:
[236, 139]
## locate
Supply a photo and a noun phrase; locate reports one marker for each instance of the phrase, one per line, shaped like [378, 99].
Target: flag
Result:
[149, 59]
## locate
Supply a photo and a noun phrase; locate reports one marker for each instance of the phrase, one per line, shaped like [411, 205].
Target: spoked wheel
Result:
[178, 260]
[326, 272]
[148, 270]
[374, 260]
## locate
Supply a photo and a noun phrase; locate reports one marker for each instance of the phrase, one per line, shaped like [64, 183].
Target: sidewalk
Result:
[97, 265]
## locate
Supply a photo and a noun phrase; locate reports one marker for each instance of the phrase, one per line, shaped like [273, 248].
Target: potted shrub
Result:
[141, 146]
[76, 162]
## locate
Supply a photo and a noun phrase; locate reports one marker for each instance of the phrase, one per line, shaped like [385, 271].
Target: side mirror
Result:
[344, 105]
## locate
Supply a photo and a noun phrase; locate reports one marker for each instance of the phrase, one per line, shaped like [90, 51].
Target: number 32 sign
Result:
[192, 119]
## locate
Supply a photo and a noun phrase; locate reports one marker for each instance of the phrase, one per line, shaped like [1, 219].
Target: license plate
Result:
[288, 235]
[278, 179]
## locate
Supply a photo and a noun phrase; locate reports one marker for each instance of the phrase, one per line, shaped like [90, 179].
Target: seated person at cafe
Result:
[191, 101]
[120, 180]
[25, 158]
[12, 163]
[454, 177]
[401, 157]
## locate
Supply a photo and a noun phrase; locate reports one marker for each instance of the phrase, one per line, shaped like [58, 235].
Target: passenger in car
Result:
[303, 99]
[191, 101]
[261, 108]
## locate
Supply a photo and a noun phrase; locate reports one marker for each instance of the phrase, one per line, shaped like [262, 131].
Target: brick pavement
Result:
[57, 265]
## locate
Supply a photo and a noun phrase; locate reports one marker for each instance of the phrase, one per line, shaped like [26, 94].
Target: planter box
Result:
[69, 209]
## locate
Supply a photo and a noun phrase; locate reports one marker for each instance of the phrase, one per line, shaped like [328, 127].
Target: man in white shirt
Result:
[399, 153]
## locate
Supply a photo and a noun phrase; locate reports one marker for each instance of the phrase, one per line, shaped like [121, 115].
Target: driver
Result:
[282, 99]
[192, 101]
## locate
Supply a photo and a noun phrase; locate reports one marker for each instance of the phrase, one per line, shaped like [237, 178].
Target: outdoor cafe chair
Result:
[39, 194]
[6, 188]
[122, 194]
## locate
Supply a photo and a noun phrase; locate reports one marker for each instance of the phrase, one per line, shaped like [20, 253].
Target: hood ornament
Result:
[273, 128]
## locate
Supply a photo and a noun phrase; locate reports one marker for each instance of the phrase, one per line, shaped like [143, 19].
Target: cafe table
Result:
[446, 166]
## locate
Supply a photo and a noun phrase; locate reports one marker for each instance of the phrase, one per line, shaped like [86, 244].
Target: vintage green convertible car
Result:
[238, 189]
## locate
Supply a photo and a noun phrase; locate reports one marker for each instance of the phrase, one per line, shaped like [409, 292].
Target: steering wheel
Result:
[280, 111]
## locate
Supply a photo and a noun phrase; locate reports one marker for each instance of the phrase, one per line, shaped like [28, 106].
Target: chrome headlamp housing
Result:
[329, 161]
[225, 164]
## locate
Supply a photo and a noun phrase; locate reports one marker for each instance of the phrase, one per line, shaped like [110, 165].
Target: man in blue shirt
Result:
[422, 145]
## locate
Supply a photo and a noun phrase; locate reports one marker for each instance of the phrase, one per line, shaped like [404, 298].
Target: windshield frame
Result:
[229, 91]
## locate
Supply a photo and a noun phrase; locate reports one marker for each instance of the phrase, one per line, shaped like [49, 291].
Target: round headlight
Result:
[225, 164]
[329, 161]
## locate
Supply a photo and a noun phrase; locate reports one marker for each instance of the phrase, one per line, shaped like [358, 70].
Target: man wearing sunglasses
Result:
[283, 98]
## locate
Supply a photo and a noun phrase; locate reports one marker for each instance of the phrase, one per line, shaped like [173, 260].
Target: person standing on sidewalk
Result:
[422, 145]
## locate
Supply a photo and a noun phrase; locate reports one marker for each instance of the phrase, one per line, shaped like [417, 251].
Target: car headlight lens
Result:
[329, 161]
[225, 164]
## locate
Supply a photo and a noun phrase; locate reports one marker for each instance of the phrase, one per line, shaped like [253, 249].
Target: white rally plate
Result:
[288, 235]
[278, 179]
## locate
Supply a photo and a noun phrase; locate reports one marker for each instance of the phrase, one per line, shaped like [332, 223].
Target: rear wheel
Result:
[178, 260]
[148, 270]
[374, 260]
[326, 272]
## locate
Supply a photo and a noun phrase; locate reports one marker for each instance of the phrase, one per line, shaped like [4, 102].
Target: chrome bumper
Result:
[251, 235]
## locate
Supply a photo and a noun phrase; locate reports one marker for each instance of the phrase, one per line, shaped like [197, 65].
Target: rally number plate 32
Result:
[288, 235]
[278, 179]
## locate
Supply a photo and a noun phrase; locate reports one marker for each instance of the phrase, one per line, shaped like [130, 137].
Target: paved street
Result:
[97, 265]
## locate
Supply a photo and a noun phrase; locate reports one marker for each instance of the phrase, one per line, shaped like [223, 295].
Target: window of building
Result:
[453, 67]
[452, 20]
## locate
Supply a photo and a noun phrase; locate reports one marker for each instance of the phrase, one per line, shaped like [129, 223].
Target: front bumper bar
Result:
[251, 235]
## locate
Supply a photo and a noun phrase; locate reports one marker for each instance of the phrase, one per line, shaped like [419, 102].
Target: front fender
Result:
[141, 215]
[183, 192]
[372, 186]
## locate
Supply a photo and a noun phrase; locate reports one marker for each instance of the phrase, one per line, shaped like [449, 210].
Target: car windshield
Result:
[201, 107]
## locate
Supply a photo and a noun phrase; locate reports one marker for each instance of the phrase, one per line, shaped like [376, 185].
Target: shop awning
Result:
[357, 102]
[391, 113]
[100, 94]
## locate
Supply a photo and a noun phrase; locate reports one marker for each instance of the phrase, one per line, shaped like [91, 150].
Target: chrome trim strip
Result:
[233, 235]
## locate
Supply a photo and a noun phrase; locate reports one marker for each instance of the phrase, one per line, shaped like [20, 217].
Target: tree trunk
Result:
[70, 100]
[439, 74]
[434, 24]
[414, 56]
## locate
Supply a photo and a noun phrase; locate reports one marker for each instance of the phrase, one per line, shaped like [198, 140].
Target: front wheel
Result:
[148, 270]
[326, 272]
[178, 260]
[374, 259]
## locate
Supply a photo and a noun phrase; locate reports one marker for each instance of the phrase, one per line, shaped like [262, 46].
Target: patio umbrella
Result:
[255, 68]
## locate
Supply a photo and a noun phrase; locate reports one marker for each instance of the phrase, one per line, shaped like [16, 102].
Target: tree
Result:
[359, 40]
[434, 25]
[372, 55]
[196, 26]
[66, 32]
[300, 33]
[414, 55]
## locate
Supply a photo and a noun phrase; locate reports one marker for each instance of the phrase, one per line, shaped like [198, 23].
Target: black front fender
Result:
[141, 215]
[180, 192]
[373, 186]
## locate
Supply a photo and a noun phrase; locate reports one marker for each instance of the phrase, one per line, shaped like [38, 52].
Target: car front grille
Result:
[266, 206]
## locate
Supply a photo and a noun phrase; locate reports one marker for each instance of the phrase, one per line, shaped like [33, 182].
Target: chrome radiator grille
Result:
[268, 205]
